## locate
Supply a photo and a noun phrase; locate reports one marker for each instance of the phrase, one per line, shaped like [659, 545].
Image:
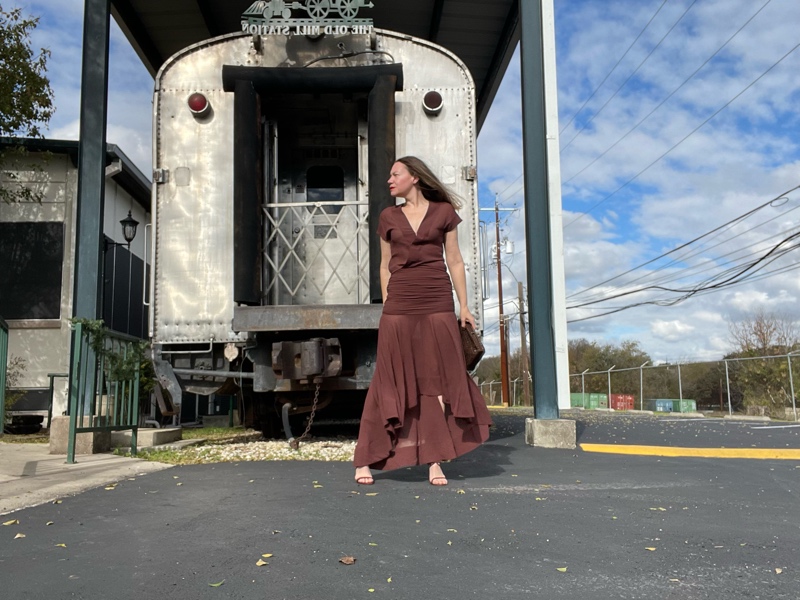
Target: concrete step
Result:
[146, 437]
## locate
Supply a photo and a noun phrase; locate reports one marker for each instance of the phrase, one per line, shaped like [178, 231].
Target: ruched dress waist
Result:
[419, 290]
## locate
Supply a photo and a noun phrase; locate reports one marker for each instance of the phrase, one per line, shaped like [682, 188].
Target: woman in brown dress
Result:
[422, 407]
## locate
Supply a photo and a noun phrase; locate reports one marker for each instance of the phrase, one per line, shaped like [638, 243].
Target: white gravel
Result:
[213, 451]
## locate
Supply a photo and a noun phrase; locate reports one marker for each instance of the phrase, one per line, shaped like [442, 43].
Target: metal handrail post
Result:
[75, 389]
[3, 368]
[680, 383]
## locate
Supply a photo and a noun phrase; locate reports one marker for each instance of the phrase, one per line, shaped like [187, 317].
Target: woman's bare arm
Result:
[455, 264]
[386, 254]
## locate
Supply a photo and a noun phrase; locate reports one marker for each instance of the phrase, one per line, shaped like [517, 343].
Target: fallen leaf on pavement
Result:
[49, 523]
[12, 522]
[453, 530]
[651, 549]
[61, 545]
[347, 560]
[261, 563]
[461, 492]
[371, 494]
[19, 536]
[216, 584]
[562, 569]
[779, 571]
[266, 555]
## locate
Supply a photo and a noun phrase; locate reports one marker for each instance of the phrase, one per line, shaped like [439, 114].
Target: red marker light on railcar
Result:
[198, 104]
[432, 103]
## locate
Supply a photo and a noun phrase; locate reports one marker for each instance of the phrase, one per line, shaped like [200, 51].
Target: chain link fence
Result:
[758, 385]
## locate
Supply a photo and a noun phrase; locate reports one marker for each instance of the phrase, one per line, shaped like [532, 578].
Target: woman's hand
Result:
[466, 317]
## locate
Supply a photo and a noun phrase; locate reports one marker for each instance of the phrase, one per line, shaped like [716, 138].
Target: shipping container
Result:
[684, 406]
[622, 401]
[597, 401]
[659, 404]
[578, 399]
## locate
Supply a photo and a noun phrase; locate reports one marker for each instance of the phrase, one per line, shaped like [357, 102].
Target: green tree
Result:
[26, 100]
[584, 355]
[762, 383]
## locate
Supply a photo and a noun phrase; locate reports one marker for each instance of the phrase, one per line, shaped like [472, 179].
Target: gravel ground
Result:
[248, 445]
[314, 449]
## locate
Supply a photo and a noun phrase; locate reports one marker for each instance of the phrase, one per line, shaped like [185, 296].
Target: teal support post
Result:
[91, 184]
[537, 212]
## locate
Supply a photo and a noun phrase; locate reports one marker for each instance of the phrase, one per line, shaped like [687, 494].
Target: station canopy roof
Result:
[482, 33]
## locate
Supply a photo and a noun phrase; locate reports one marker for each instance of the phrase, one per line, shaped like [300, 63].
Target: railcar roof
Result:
[482, 33]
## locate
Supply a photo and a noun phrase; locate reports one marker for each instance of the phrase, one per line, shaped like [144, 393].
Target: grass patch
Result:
[221, 434]
[28, 438]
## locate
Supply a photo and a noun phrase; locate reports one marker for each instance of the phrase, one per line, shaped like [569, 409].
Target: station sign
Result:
[311, 17]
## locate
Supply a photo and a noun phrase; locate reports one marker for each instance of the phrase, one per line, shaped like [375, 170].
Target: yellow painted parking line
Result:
[759, 453]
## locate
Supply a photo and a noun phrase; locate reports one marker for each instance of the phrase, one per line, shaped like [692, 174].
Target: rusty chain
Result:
[295, 443]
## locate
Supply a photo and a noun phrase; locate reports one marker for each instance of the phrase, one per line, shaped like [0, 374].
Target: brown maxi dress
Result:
[420, 356]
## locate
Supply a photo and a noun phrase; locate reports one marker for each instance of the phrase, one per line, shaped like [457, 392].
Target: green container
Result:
[659, 404]
[578, 399]
[684, 406]
[597, 401]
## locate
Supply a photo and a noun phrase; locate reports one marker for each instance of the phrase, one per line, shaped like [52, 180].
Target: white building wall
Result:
[44, 344]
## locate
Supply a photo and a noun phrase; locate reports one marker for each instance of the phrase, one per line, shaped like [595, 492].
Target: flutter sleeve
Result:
[451, 218]
[385, 224]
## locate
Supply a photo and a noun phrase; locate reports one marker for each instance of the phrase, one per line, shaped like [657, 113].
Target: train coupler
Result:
[307, 359]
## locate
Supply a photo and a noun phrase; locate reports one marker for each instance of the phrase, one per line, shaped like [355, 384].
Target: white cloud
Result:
[671, 331]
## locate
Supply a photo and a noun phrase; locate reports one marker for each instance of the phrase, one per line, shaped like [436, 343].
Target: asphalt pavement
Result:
[514, 522]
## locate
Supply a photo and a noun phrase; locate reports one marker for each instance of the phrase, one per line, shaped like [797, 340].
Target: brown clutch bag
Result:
[473, 346]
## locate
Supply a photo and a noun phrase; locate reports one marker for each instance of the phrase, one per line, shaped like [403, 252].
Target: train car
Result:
[272, 148]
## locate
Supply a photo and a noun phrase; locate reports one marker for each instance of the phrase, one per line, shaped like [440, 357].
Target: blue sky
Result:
[695, 124]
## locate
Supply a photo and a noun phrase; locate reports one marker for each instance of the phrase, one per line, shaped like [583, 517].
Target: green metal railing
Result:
[3, 368]
[104, 385]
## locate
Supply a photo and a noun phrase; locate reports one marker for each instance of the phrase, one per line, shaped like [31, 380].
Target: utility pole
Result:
[506, 399]
[503, 346]
[526, 385]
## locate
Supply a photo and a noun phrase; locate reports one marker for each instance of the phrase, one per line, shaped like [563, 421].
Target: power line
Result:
[658, 10]
[740, 218]
[697, 269]
[624, 83]
[695, 130]
[733, 276]
[660, 104]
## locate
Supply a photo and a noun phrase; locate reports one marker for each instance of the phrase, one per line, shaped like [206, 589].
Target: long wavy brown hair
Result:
[430, 186]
